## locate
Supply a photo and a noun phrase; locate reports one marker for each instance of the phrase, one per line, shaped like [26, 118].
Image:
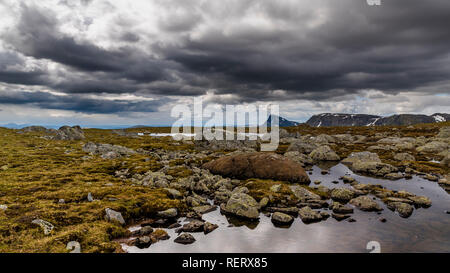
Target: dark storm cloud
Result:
[77, 103]
[320, 50]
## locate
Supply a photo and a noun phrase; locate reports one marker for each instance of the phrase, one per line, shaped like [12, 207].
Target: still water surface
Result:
[426, 230]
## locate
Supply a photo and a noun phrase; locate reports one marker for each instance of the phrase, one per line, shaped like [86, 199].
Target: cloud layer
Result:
[85, 56]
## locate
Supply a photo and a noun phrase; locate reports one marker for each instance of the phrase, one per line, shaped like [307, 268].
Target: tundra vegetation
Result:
[90, 188]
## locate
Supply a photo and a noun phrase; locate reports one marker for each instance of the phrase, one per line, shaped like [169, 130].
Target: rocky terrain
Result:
[74, 190]
[335, 119]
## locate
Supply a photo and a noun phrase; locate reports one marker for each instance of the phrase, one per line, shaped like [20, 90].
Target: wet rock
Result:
[209, 227]
[341, 209]
[404, 157]
[74, 246]
[143, 242]
[281, 218]
[351, 220]
[193, 226]
[365, 203]
[348, 179]
[372, 168]
[382, 220]
[324, 214]
[397, 199]
[174, 225]
[431, 177]
[340, 217]
[114, 216]
[342, 194]
[324, 153]
[242, 205]
[47, 227]
[393, 176]
[258, 165]
[291, 211]
[204, 209]
[308, 215]
[168, 213]
[146, 230]
[403, 209]
[185, 238]
[420, 201]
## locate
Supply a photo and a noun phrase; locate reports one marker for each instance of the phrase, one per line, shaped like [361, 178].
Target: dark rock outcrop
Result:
[258, 165]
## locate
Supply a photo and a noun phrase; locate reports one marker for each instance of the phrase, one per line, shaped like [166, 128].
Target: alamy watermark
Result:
[232, 122]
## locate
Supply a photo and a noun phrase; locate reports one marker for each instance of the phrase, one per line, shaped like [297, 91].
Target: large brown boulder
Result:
[258, 165]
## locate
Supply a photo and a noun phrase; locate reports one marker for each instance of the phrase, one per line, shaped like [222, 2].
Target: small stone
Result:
[351, 220]
[61, 201]
[185, 238]
[46, 226]
[114, 216]
[263, 202]
[74, 246]
[403, 209]
[317, 182]
[339, 217]
[146, 230]
[282, 218]
[3, 207]
[209, 227]
[168, 213]
[90, 198]
[143, 242]
[382, 220]
[204, 209]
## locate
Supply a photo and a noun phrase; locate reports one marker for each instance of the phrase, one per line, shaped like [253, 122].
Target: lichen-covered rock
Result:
[403, 209]
[168, 213]
[361, 156]
[308, 215]
[342, 194]
[365, 203]
[281, 218]
[302, 147]
[373, 168]
[258, 165]
[433, 147]
[242, 205]
[300, 158]
[404, 157]
[324, 153]
[303, 194]
[107, 151]
[420, 201]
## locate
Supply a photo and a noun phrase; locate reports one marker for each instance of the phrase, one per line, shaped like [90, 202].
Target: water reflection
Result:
[427, 230]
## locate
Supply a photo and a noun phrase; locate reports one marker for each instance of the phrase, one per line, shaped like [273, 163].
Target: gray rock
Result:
[340, 217]
[3, 207]
[47, 227]
[74, 246]
[361, 156]
[168, 213]
[403, 209]
[433, 147]
[209, 227]
[342, 194]
[204, 209]
[173, 193]
[242, 205]
[324, 153]
[281, 218]
[302, 147]
[341, 209]
[114, 216]
[365, 203]
[404, 157]
[185, 238]
[143, 242]
[107, 151]
[303, 194]
[309, 216]
[90, 198]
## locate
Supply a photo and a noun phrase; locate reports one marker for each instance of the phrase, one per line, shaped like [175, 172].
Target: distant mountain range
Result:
[282, 122]
[330, 119]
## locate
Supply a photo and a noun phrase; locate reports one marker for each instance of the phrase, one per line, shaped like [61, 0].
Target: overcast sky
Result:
[94, 62]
